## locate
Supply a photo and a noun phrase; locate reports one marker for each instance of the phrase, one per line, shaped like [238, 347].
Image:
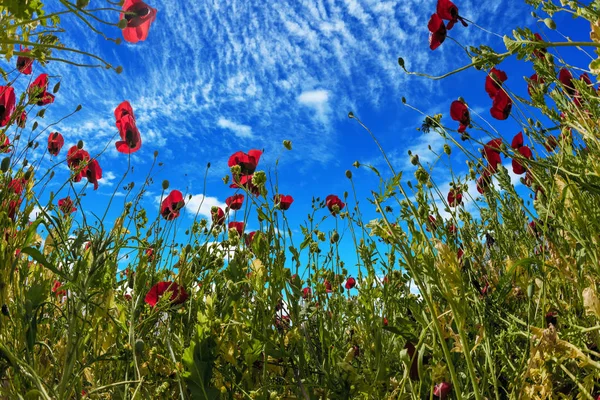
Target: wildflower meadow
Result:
[469, 272]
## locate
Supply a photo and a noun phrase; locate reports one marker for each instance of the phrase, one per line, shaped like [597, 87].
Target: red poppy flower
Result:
[217, 215]
[37, 91]
[350, 283]
[491, 152]
[66, 205]
[447, 10]
[235, 202]
[454, 197]
[77, 160]
[551, 143]
[122, 110]
[328, 288]
[306, 293]
[518, 167]
[56, 142]
[140, 17]
[131, 141]
[170, 206]
[552, 318]
[150, 254]
[493, 81]
[247, 162]
[517, 141]
[459, 112]
[7, 104]
[438, 31]
[250, 238]
[245, 182]
[238, 226]
[178, 295]
[334, 204]
[431, 224]
[24, 64]
[17, 185]
[540, 53]
[452, 229]
[22, 119]
[565, 77]
[385, 321]
[283, 202]
[55, 289]
[442, 390]
[484, 181]
[535, 82]
[501, 106]
[4, 143]
[93, 172]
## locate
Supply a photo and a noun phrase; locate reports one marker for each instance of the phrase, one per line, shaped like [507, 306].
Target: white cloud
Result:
[240, 130]
[202, 204]
[318, 100]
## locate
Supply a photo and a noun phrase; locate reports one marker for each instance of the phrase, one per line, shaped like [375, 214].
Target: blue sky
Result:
[218, 77]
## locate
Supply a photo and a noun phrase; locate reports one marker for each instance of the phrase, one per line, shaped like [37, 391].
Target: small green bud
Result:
[530, 289]
[550, 23]
[414, 160]
[334, 237]
[165, 184]
[78, 108]
[56, 87]
[287, 144]
[5, 164]
[401, 63]
[226, 179]
[119, 69]
[80, 144]
[348, 174]
[122, 24]
[447, 149]
[155, 153]
[351, 115]
[403, 100]
[139, 346]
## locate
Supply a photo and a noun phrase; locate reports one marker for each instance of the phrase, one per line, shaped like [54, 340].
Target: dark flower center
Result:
[129, 138]
[137, 11]
[2, 110]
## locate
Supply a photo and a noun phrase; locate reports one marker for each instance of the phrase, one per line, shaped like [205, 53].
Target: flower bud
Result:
[122, 24]
[5, 164]
[165, 184]
[550, 23]
[119, 69]
[348, 174]
[356, 164]
[334, 237]
[414, 160]
[80, 144]
[350, 114]
[287, 144]
[447, 149]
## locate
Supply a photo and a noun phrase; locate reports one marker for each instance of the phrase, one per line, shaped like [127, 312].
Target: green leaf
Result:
[39, 257]
[198, 361]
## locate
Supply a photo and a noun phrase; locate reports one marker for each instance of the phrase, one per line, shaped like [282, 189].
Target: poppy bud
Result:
[401, 62]
[165, 184]
[78, 108]
[350, 114]
[334, 237]
[530, 289]
[348, 174]
[5, 164]
[207, 165]
[28, 174]
[119, 69]
[122, 24]
[80, 144]
[155, 153]
[447, 149]
[82, 3]
[287, 144]
[139, 346]
[56, 87]
[414, 160]
[356, 164]
[550, 23]
[5, 310]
